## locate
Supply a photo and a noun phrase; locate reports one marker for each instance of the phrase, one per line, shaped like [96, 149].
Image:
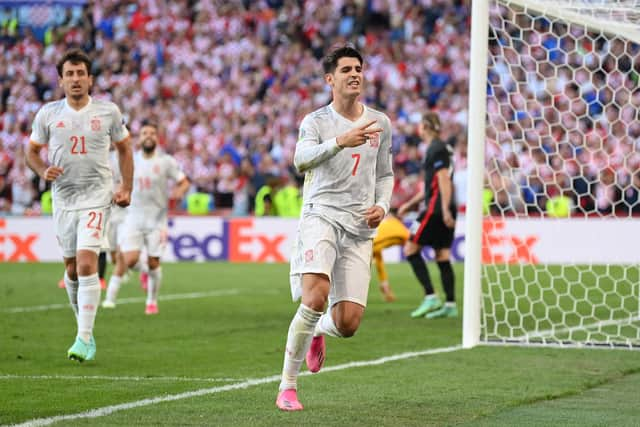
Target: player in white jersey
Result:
[114, 235]
[78, 132]
[145, 225]
[345, 150]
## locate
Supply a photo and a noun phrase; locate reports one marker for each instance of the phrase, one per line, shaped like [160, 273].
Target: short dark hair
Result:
[330, 61]
[75, 56]
[150, 123]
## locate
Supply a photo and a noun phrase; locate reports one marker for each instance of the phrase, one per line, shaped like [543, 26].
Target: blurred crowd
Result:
[229, 81]
[563, 118]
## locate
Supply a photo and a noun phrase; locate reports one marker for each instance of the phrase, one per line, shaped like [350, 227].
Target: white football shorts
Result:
[136, 239]
[346, 260]
[83, 229]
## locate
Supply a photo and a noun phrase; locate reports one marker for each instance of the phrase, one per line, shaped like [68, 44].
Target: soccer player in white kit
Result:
[145, 225]
[78, 132]
[114, 235]
[345, 150]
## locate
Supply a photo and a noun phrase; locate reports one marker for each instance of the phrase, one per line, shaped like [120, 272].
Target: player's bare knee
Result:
[85, 268]
[443, 255]
[315, 301]
[348, 329]
[131, 260]
[72, 273]
[410, 249]
[154, 262]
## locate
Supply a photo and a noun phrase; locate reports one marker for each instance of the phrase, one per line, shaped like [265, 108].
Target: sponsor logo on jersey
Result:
[60, 124]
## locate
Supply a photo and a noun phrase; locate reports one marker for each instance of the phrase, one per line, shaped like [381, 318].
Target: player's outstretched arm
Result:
[122, 197]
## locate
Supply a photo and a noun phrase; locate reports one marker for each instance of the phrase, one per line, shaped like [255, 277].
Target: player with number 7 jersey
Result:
[344, 149]
[355, 178]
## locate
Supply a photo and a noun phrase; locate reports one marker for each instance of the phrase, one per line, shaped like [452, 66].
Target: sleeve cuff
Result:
[384, 206]
[333, 145]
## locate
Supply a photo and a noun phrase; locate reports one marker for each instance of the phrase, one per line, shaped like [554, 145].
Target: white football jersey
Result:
[341, 184]
[78, 142]
[150, 196]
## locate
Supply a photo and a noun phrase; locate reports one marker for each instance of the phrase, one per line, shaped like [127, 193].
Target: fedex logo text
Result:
[188, 246]
[235, 240]
[247, 245]
[16, 247]
[498, 247]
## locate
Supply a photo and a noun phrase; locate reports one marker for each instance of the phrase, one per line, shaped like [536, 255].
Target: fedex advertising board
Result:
[202, 239]
[235, 239]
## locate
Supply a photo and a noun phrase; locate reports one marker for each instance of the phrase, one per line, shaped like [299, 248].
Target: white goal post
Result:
[555, 89]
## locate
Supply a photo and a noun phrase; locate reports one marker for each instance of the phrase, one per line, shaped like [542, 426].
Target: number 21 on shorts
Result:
[95, 220]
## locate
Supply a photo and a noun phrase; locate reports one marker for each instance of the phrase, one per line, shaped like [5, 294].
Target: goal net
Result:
[559, 254]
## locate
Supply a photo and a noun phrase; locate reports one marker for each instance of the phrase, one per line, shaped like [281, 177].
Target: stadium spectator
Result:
[78, 131]
[249, 66]
[345, 201]
[265, 203]
[22, 192]
[241, 73]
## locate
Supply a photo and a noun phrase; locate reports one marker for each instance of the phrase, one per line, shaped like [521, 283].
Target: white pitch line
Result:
[108, 410]
[109, 378]
[169, 297]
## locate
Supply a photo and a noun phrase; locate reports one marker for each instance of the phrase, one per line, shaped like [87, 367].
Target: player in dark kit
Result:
[435, 225]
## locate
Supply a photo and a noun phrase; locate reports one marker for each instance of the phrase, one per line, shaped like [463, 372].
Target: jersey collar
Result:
[349, 121]
[67, 106]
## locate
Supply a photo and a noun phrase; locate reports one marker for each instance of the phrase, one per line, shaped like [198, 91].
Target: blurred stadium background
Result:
[228, 82]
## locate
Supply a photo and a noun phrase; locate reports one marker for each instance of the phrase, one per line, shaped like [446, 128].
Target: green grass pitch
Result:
[222, 325]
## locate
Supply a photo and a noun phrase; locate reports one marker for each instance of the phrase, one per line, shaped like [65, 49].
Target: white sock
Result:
[88, 300]
[144, 264]
[298, 342]
[326, 326]
[155, 277]
[114, 288]
[72, 291]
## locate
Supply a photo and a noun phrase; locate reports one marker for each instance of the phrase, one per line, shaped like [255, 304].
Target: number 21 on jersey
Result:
[78, 145]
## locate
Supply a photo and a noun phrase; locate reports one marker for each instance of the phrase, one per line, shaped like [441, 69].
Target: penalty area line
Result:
[108, 410]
